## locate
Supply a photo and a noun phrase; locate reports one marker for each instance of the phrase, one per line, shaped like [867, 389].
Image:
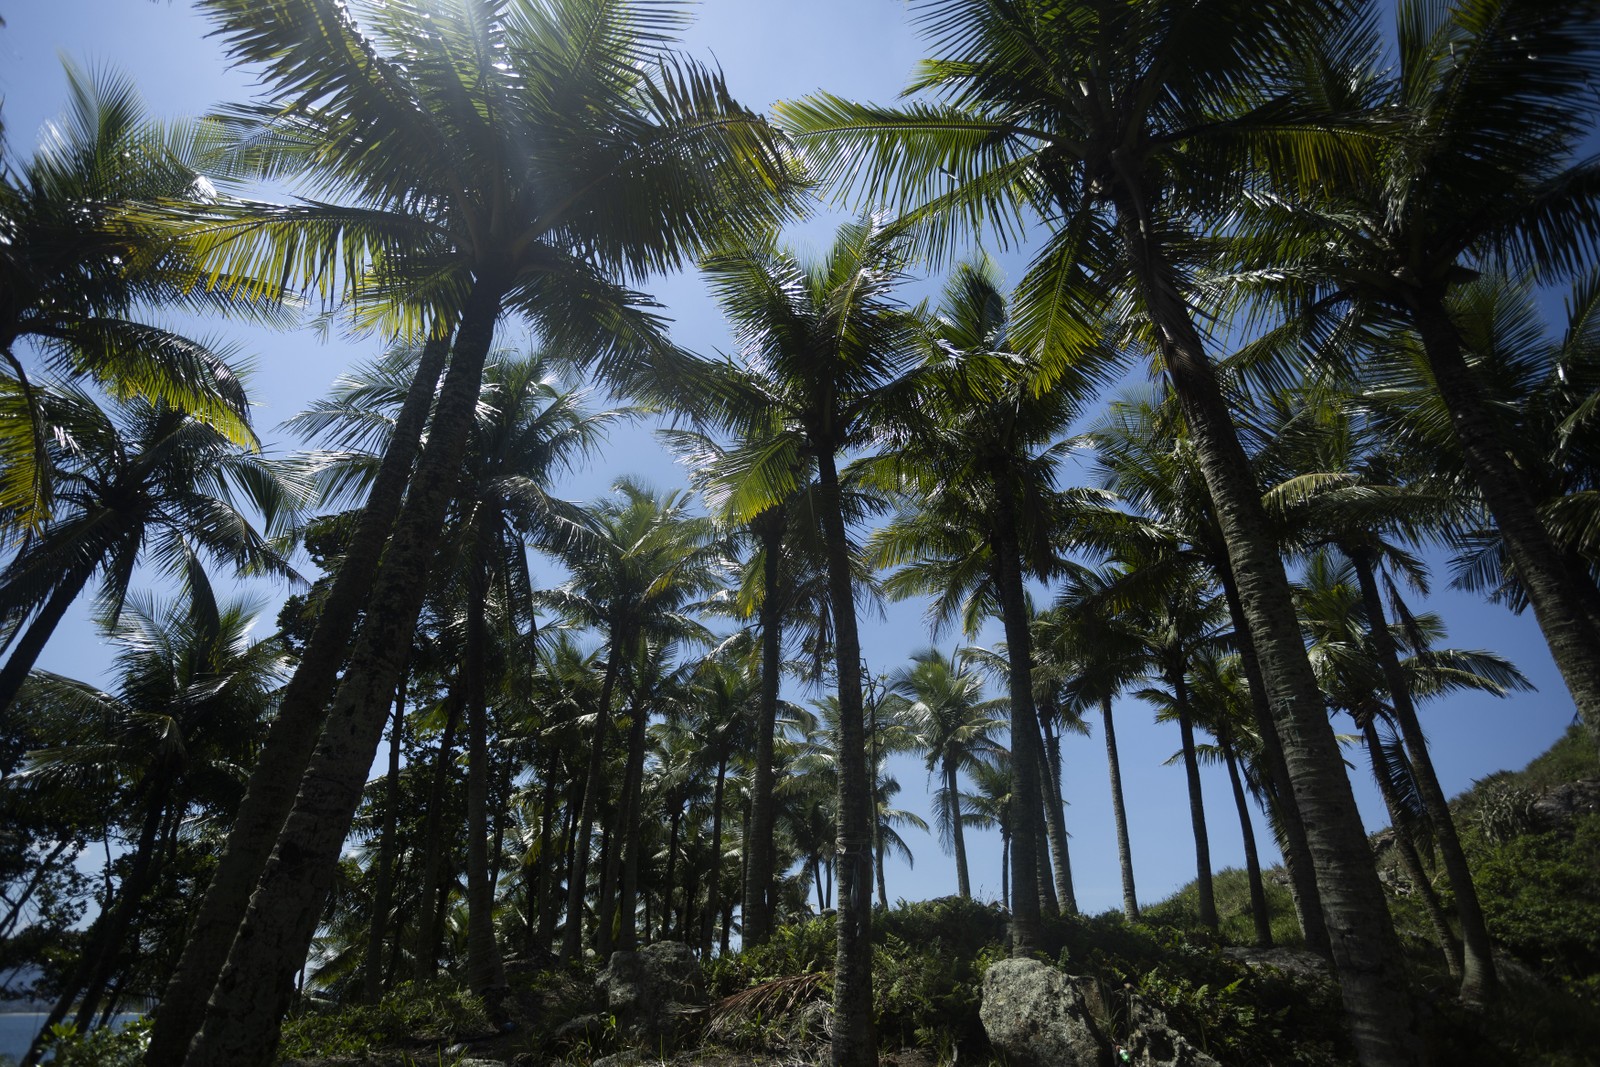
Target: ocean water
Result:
[18, 1027]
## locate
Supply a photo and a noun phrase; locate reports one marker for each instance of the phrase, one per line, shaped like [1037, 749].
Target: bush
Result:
[435, 1013]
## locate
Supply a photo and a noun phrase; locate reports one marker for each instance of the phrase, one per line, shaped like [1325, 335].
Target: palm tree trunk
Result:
[1366, 952]
[302, 709]
[952, 801]
[633, 789]
[672, 864]
[1197, 805]
[544, 938]
[853, 1044]
[1025, 930]
[1252, 860]
[1130, 900]
[256, 985]
[1552, 587]
[1055, 819]
[1479, 982]
[768, 527]
[485, 973]
[26, 652]
[383, 891]
[426, 957]
[1275, 774]
[577, 883]
[1409, 859]
[714, 872]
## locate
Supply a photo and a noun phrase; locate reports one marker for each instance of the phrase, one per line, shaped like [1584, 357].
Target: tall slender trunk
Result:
[1055, 819]
[952, 800]
[255, 986]
[1130, 900]
[485, 973]
[37, 635]
[1252, 859]
[1552, 588]
[1197, 804]
[1275, 775]
[383, 891]
[544, 936]
[714, 872]
[1409, 859]
[1025, 792]
[1479, 982]
[672, 865]
[633, 789]
[854, 1043]
[302, 709]
[1366, 952]
[758, 848]
[578, 880]
[426, 956]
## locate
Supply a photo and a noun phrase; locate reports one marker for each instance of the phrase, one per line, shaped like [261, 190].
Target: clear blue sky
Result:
[771, 50]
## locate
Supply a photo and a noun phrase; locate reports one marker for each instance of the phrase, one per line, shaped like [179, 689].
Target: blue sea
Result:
[18, 1027]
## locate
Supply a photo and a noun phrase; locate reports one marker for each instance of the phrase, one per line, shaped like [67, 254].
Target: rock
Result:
[651, 993]
[1557, 809]
[621, 1059]
[1294, 962]
[1152, 1042]
[478, 1062]
[1036, 1016]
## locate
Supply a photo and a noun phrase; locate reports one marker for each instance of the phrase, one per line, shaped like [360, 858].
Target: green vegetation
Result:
[579, 770]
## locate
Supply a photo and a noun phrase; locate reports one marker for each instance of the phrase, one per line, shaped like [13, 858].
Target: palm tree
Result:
[192, 698]
[992, 801]
[135, 482]
[80, 281]
[639, 562]
[1489, 105]
[1136, 125]
[442, 125]
[981, 514]
[953, 725]
[828, 354]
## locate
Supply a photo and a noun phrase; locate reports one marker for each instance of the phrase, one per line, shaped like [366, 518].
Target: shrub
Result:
[434, 1013]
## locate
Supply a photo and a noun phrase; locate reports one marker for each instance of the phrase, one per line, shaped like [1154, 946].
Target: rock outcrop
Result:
[651, 993]
[1039, 1017]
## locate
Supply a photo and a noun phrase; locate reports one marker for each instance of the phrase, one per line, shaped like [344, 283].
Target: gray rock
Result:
[1295, 962]
[1039, 1017]
[1153, 1042]
[652, 992]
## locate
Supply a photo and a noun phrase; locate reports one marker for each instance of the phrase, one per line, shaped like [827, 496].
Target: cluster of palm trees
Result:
[1312, 226]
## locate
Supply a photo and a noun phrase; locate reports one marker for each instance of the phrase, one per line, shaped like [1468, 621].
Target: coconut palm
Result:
[953, 725]
[829, 357]
[491, 158]
[1489, 106]
[193, 692]
[135, 482]
[81, 281]
[1133, 126]
[981, 513]
[635, 569]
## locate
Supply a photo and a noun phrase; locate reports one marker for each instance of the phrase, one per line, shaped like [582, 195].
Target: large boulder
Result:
[1039, 1017]
[651, 993]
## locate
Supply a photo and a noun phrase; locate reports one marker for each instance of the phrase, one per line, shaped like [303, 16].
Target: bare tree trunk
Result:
[302, 710]
[1366, 952]
[854, 1043]
[952, 799]
[1197, 804]
[485, 972]
[383, 891]
[768, 527]
[255, 987]
[1055, 819]
[1252, 860]
[1275, 775]
[1409, 859]
[1479, 982]
[1552, 588]
[426, 959]
[1130, 900]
